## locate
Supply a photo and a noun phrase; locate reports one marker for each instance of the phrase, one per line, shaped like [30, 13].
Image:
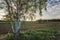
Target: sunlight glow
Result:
[2, 13]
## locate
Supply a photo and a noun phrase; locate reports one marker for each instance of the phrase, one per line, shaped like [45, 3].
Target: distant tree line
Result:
[51, 20]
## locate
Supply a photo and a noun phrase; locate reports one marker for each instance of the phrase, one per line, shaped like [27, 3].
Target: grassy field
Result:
[5, 26]
[25, 26]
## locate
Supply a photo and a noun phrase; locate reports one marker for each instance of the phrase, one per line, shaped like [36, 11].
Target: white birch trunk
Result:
[16, 24]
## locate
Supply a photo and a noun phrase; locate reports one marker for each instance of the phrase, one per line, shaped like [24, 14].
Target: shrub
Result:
[35, 35]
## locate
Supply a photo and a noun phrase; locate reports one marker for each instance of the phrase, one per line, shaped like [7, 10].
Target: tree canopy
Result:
[25, 6]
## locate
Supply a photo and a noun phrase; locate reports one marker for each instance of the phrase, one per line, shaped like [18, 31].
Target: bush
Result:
[34, 35]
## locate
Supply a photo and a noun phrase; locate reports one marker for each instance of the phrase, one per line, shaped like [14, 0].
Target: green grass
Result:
[34, 35]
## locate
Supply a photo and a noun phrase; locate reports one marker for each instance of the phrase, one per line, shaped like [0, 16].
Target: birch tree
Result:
[16, 8]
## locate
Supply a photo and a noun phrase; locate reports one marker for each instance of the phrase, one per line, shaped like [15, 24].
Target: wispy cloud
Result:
[53, 10]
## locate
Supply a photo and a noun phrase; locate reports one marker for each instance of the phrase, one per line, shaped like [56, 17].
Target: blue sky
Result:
[53, 2]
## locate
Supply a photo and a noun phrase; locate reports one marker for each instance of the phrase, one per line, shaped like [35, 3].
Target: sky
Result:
[2, 13]
[53, 11]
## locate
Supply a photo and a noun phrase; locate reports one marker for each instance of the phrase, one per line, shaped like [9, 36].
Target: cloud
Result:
[52, 12]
